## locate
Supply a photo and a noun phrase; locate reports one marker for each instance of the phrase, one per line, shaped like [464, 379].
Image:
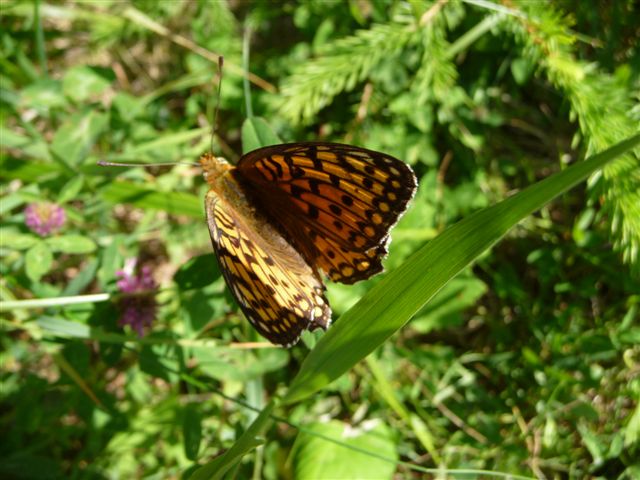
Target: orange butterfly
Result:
[287, 214]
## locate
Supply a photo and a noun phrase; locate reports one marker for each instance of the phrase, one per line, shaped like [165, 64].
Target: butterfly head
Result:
[213, 167]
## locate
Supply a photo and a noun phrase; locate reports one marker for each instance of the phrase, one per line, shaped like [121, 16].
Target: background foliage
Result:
[527, 363]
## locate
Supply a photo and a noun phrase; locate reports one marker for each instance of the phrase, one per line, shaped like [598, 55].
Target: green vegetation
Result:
[504, 337]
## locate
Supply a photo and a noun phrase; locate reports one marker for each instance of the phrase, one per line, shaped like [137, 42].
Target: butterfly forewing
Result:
[336, 202]
[277, 290]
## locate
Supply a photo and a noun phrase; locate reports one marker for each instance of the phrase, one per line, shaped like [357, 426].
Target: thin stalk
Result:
[53, 302]
[41, 52]
[246, 43]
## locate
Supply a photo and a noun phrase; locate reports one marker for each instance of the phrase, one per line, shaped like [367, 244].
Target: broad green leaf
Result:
[10, 202]
[392, 302]
[317, 458]
[18, 241]
[31, 171]
[38, 261]
[249, 440]
[64, 328]
[256, 133]
[176, 203]
[80, 83]
[33, 147]
[158, 361]
[128, 106]
[72, 141]
[71, 189]
[43, 95]
[239, 365]
[198, 272]
[77, 244]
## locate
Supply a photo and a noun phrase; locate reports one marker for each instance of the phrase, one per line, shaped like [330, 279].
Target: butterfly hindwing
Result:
[276, 290]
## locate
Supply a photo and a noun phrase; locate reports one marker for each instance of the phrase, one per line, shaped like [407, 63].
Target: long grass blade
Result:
[393, 301]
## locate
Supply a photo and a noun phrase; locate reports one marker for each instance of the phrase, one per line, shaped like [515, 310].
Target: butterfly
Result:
[287, 215]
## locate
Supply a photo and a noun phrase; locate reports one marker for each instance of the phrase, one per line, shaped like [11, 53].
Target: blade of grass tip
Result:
[256, 133]
[247, 442]
[392, 302]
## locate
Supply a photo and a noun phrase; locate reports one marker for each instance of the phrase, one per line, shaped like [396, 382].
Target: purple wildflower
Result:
[44, 218]
[138, 303]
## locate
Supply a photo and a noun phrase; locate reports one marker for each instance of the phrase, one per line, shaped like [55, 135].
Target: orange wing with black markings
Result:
[336, 202]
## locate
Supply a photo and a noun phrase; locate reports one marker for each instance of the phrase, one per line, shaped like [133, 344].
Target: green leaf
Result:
[522, 69]
[176, 203]
[72, 141]
[43, 95]
[18, 241]
[593, 443]
[632, 430]
[128, 106]
[162, 143]
[82, 278]
[31, 171]
[393, 301]
[155, 362]
[38, 261]
[242, 366]
[192, 431]
[247, 442]
[77, 244]
[198, 272]
[82, 82]
[257, 133]
[71, 189]
[30, 146]
[317, 458]
[110, 261]
[64, 328]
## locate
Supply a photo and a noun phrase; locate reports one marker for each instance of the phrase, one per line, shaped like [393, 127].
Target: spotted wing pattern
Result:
[335, 202]
[279, 293]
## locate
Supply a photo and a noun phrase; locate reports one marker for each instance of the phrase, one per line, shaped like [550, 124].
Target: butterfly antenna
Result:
[104, 163]
[214, 126]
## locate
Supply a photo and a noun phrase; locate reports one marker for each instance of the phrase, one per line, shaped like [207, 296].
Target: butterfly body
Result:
[288, 214]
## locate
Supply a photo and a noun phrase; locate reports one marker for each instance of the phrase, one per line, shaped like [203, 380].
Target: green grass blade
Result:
[256, 133]
[393, 301]
[249, 440]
